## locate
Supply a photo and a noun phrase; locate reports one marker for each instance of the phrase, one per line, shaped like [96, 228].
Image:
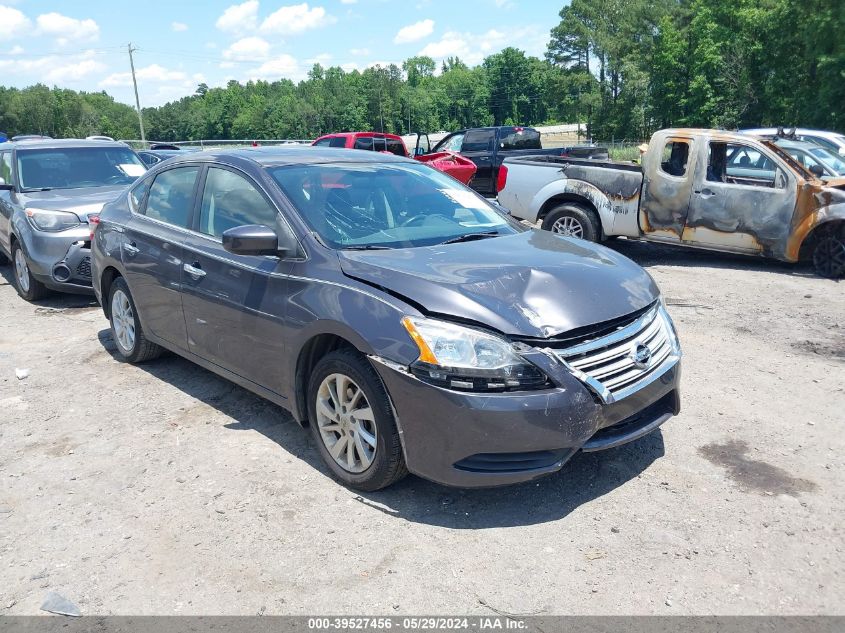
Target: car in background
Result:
[403, 317]
[488, 147]
[814, 158]
[98, 138]
[459, 167]
[30, 137]
[832, 141]
[50, 191]
[155, 156]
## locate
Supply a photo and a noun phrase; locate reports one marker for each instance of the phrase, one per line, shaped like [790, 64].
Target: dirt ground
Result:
[162, 489]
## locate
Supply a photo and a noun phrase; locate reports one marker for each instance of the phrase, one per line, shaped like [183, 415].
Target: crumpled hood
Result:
[532, 284]
[79, 201]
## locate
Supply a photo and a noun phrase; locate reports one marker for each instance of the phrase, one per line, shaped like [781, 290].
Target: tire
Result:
[376, 453]
[127, 333]
[829, 254]
[26, 284]
[573, 220]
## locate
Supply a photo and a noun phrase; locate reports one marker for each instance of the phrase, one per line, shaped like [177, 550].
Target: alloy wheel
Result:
[346, 423]
[21, 270]
[123, 321]
[568, 226]
[829, 257]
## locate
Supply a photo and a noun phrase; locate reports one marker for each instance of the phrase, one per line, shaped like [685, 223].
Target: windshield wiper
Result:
[367, 247]
[469, 237]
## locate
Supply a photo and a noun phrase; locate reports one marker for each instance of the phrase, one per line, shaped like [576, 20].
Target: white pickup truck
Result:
[703, 188]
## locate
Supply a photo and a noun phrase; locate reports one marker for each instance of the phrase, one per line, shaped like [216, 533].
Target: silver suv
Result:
[50, 193]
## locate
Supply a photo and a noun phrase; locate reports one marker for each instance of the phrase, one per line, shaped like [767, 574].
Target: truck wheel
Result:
[829, 255]
[573, 220]
[27, 285]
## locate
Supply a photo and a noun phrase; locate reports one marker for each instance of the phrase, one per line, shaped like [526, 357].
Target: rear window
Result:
[520, 138]
[380, 144]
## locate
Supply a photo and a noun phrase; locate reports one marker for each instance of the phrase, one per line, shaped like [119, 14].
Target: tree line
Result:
[624, 67]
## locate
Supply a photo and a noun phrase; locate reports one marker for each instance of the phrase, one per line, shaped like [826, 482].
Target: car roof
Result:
[799, 130]
[59, 144]
[361, 135]
[289, 155]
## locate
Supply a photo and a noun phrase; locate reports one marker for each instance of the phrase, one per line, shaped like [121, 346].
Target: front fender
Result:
[823, 215]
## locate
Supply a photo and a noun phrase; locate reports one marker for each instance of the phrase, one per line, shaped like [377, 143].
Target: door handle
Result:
[706, 193]
[131, 248]
[194, 270]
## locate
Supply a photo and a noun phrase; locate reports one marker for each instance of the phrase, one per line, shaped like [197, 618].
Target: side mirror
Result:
[253, 239]
[817, 170]
[4, 186]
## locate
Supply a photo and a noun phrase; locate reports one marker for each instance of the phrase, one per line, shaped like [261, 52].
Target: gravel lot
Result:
[162, 489]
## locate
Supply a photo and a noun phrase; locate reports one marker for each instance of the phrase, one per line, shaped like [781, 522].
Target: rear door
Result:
[235, 303]
[478, 146]
[667, 187]
[742, 201]
[152, 251]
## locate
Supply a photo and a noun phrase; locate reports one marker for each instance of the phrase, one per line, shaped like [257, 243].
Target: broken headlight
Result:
[466, 359]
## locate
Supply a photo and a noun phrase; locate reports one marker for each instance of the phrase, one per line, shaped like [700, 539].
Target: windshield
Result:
[359, 205]
[833, 161]
[77, 167]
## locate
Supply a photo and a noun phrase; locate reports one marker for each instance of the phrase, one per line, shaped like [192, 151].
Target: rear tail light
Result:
[502, 178]
[93, 221]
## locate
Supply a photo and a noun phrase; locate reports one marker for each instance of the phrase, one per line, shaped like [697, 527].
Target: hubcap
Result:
[829, 257]
[21, 270]
[568, 226]
[123, 321]
[346, 424]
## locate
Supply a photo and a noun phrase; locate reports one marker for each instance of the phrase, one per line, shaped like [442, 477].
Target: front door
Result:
[667, 187]
[234, 303]
[743, 201]
[152, 252]
[478, 147]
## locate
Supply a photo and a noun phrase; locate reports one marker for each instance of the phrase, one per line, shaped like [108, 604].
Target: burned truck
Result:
[702, 188]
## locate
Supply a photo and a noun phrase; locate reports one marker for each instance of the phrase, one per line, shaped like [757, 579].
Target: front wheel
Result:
[352, 422]
[126, 331]
[573, 220]
[829, 254]
[27, 285]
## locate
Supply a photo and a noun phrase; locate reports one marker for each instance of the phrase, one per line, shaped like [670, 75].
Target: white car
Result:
[833, 141]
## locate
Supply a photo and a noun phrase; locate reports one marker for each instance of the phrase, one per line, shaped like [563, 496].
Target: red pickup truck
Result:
[450, 163]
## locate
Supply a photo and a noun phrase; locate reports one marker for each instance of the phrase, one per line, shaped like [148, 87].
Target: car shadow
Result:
[54, 300]
[648, 254]
[586, 477]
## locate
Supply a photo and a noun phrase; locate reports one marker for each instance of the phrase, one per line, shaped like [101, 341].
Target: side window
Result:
[736, 164]
[337, 141]
[479, 141]
[364, 142]
[396, 147]
[137, 195]
[453, 144]
[229, 200]
[520, 138]
[171, 196]
[324, 142]
[6, 167]
[674, 158]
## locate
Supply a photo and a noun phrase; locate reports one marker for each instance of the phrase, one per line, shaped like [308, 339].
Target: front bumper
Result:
[61, 261]
[477, 440]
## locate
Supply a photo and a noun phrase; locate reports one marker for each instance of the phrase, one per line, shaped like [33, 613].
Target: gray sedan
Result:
[50, 190]
[410, 323]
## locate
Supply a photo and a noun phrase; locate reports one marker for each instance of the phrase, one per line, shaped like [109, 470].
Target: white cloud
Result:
[13, 23]
[469, 47]
[15, 50]
[67, 29]
[282, 67]
[296, 18]
[152, 73]
[73, 72]
[248, 49]
[359, 52]
[239, 18]
[178, 26]
[414, 32]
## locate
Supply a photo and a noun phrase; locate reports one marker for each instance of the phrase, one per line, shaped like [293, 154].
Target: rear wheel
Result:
[829, 254]
[353, 423]
[126, 330]
[573, 220]
[27, 285]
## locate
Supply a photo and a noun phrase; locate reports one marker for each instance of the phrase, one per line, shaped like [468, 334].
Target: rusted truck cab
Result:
[695, 187]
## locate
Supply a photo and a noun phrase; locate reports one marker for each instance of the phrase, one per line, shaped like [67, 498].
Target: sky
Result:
[82, 44]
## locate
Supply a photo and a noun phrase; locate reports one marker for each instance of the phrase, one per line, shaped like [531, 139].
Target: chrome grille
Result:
[619, 364]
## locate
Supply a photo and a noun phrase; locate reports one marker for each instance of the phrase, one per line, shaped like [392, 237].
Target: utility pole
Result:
[135, 83]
